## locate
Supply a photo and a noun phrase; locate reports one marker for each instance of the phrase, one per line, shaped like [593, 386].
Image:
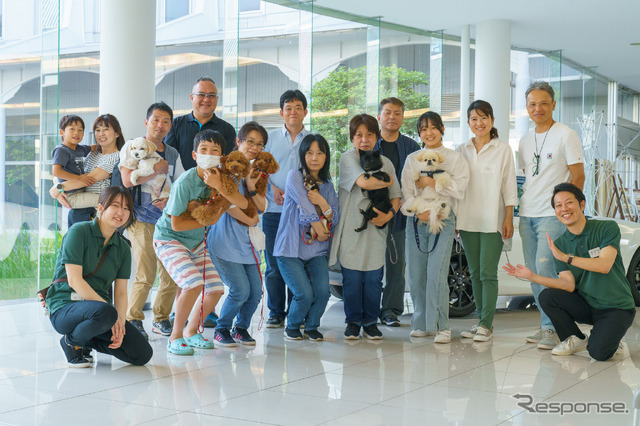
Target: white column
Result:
[492, 73]
[464, 82]
[612, 122]
[127, 62]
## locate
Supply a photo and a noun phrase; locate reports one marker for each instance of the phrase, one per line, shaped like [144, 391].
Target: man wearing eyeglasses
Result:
[548, 155]
[204, 98]
[283, 144]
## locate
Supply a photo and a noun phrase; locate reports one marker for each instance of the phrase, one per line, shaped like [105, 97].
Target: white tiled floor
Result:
[396, 381]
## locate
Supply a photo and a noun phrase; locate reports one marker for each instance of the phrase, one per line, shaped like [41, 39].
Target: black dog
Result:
[371, 163]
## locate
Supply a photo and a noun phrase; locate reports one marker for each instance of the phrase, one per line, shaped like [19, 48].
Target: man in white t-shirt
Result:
[548, 155]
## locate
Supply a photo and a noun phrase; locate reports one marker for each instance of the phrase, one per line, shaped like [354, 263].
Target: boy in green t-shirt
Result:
[179, 243]
[591, 287]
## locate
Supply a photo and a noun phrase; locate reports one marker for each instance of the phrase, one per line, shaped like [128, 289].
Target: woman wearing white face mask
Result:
[234, 254]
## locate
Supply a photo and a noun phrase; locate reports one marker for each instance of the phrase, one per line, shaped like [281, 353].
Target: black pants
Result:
[609, 325]
[88, 323]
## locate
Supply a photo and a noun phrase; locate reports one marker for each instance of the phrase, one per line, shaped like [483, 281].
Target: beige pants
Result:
[83, 199]
[141, 236]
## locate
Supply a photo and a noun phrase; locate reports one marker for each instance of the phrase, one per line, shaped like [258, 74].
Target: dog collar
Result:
[431, 173]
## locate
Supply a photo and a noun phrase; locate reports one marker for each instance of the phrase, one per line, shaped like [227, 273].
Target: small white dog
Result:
[431, 164]
[143, 158]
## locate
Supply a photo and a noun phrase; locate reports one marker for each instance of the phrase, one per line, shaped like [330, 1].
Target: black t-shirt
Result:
[390, 150]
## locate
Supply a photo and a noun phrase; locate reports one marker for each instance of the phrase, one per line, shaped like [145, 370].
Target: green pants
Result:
[483, 254]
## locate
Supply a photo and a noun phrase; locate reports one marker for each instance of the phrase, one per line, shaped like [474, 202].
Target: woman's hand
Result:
[381, 218]
[318, 200]
[424, 181]
[507, 228]
[424, 216]
[117, 333]
[251, 183]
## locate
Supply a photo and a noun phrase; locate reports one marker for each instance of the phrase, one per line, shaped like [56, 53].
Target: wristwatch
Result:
[60, 188]
[571, 256]
[252, 193]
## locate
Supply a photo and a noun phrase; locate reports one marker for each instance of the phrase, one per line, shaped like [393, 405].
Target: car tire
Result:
[461, 302]
[521, 303]
[633, 277]
[335, 291]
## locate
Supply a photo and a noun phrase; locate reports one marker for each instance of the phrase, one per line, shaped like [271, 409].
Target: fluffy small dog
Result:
[233, 167]
[431, 164]
[371, 163]
[311, 184]
[263, 166]
[143, 158]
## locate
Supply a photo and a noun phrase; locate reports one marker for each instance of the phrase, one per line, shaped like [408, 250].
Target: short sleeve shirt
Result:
[188, 187]
[601, 291]
[71, 160]
[83, 245]
[105, 162]
[559, 148]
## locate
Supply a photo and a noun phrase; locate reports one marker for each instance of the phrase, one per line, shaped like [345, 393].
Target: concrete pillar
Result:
[127, 62]
[464, 82]
[612, 122]
[492, 73]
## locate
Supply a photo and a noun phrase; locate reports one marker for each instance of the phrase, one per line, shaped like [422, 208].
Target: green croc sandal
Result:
[179, 347]
[197, 341]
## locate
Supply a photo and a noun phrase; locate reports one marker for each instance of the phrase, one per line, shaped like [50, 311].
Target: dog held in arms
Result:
[371, 163]
[431, 164]
[233, 167]
[263, 165]
[143, 158]
[311, 184]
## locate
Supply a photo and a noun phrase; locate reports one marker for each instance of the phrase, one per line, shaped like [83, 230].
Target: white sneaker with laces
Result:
[418, 333]
[483, 334]
[443, 336]
[570, 346]
[549, 339]
[468, 334]
[535, 338]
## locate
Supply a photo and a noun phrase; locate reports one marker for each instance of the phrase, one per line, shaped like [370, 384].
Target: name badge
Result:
[594, 252]
[170, 170]
[76, 297]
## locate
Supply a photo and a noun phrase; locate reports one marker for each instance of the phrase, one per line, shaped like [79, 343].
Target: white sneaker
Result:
[469, 334]
[549, 340]
[483, 334]
[620, 351]
[535, 338]
[418, 333]
[570, 346]
[443, 336]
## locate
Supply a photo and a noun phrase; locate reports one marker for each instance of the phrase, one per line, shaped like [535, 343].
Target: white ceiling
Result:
[593, 33]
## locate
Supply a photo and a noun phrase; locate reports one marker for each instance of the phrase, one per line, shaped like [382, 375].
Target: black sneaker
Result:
[371, 332]
[314, 335]
[292, 334]
[138, 325]
[86, 353]
[163, 327]
[223, 338]
[390, 321]
[241, 335]
[275, 322]
[352, 332]
[73, 354]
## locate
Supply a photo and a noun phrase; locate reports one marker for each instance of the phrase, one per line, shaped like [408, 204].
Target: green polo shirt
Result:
[601, 291]
[83, 245]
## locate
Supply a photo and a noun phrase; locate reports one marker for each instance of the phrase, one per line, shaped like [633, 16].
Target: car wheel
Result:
[461, 301]
[335, 291]
[520, 303]
[633, 277]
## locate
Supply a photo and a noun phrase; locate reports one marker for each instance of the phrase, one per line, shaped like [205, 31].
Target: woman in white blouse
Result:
[485, 214]
[428, 253]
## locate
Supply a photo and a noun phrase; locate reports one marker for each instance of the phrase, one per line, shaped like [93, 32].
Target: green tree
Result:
[342, 94]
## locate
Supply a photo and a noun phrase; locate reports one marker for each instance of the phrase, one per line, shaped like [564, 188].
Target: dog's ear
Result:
[150, 146]
[273, 166]
[440, 157]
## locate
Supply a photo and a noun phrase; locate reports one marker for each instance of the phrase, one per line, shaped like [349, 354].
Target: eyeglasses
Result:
[253, 143]
[206, 95]
[536, 165]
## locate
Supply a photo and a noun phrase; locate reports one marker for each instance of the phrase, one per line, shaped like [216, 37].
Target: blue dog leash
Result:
[415, 231]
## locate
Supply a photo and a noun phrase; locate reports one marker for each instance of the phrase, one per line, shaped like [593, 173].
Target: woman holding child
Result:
[98, 165]
[362, 254]
[179, 243]
[233, 253]
[493, 188]
[303, 263]
[428, 252]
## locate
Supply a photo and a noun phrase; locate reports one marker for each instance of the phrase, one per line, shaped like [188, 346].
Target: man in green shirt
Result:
[591, 287]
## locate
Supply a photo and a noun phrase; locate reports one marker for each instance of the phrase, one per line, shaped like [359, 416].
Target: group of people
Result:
[303, 231]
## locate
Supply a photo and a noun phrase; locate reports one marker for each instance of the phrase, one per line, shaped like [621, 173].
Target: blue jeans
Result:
[427, 275]
[80, 215]
[309, 282]
[361, 291]
[393, 292]
[88, 323]
[277, 293]
[537, 255]
[245, 292]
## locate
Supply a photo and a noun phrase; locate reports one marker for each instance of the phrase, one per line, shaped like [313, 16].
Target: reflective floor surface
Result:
[391, 382]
